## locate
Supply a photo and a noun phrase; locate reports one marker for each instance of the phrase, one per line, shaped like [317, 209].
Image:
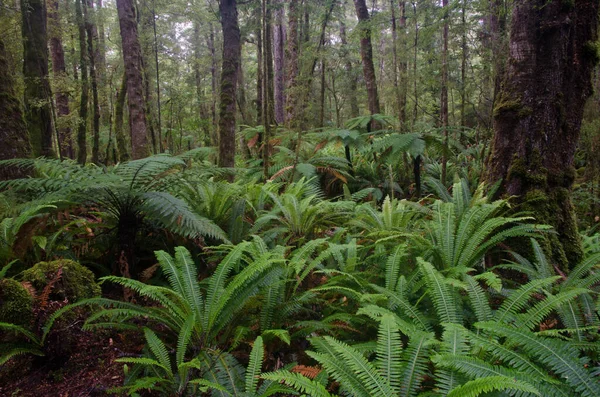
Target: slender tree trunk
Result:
[322, 96]
[268, 58]
[463, 65]
[395, 60]
[158, 110]
[83, 104]
[266, 112]
[292, 65]
[38, 96]
[444, 94]
[259, 72]
[119, 113]
[279, 40]
[538, 113]
[132, 59]
[366, 54]
[231, 64]
[14, 140]
[415, 60]
[202, 110]
[352, 85]
[403, 67]
[60, 74]
[104, 93]
[92, 54]
[213, 75]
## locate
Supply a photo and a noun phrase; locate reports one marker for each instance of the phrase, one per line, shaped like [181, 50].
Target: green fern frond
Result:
[17, 351]
[298, 382]
[441, 294]
[159, 349]
[150, 362]
[480, 386]
[558, 355]
[415, 360]
[254, 365]
[519, 298]
[537, 313]
[389, 349]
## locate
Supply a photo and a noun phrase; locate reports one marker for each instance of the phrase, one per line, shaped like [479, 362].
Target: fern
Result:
[479, 386]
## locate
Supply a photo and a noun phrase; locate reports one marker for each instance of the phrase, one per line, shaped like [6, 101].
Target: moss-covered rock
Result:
[16, 303]
[76, 282]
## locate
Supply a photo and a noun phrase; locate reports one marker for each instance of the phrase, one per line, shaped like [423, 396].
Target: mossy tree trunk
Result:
[92, 44]
[83, 103]
[119, 112]
[38, 96]
[366, 53]
[229, 77]
[132, 60]
[14, 140]
[57, 53]
[538, 112]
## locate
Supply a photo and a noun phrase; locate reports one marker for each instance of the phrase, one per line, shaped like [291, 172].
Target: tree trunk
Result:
[132, 60]
[444, 94]
[266, 111]
[119, 110]
[83, 104]
[292, 66]
[14, 140]
[105, 110]
[231, 64]
[57, 53]
[92, 54]
[366, 54]
[279, 40]
[402, 67]
[352, 85]
[213, 73]
[38, 96]
[538, 112]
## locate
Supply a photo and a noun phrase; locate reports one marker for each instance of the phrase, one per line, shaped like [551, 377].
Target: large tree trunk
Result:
[14, 141]
[57, 52]
[444, 93]
[92, 44]
[231, 64]
[279, 40]
[366, 54]
[38, 96]
[132, 59]
[538, 112]
[292, 58]
[119, 111]
[83, 103]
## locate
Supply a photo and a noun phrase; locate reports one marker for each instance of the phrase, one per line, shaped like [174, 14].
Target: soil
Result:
[88, 370]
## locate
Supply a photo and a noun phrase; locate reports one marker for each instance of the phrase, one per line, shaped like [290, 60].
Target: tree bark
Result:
[38, 95]
[279, 40]
[352, 85]
[83, 104]
[444, 93]
[366, 54]
[92, 40]
[231, 64]
[14, 140]
[538, 112]
[57, 53]
[292, 66]
[132, 60]
[214, 78]
[119, 110]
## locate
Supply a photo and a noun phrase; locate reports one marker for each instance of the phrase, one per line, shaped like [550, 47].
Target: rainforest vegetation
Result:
[299, 197]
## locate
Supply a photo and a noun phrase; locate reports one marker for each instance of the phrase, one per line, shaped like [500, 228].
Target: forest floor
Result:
[89, 370]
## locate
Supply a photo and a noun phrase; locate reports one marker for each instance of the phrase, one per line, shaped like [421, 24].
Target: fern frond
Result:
[519, 298]
[441, 294]
[558, 355]
[254, 365]
[389, 349]
[414, 368]
[158, 348]
[298, 382]
[480, 386]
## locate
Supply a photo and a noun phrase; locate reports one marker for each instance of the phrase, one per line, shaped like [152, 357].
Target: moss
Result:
[16, 304]
[590, 52]
[530, 172]
[77, 282]
[507, 105]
